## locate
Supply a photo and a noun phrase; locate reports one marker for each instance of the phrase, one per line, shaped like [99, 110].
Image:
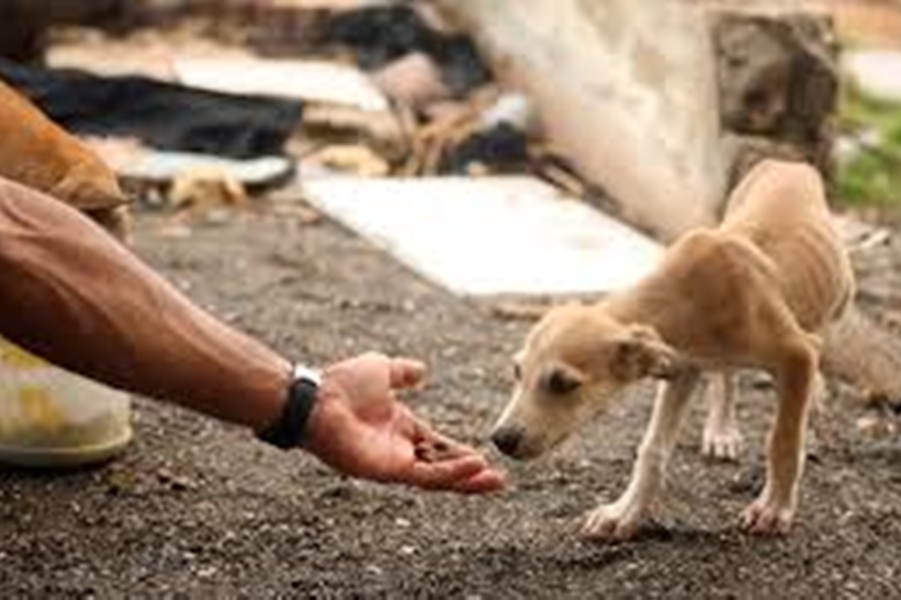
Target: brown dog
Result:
[753, 293]
[36, 152]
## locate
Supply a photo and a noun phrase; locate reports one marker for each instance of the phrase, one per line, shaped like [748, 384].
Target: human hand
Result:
[360, 428]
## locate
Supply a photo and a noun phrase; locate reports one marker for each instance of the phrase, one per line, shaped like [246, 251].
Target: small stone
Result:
[875, 426]
[217, 217]
[178, 483]
[175, 231]
[207, 572]
[308, 216]
[407, 550]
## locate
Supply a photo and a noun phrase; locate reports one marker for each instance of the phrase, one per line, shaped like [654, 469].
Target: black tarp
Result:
[162, 115]
[381, 34]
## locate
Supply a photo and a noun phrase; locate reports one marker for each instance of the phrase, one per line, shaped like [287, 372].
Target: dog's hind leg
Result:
[621, 519]
[795, 373]
[722, 438]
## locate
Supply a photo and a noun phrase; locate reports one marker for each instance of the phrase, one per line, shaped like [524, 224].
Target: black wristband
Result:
[288, 431]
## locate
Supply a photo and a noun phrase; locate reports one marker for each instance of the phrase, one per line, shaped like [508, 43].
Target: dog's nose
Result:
[507, 439]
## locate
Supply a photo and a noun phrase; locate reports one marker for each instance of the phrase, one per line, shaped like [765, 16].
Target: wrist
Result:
[290, 428]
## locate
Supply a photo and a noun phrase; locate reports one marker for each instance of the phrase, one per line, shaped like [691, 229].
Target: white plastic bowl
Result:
[50, 417]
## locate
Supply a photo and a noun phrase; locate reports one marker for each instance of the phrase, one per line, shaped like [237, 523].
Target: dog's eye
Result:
[560, 382]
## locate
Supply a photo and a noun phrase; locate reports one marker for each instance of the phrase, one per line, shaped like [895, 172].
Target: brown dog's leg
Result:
[621, 519]
[774, 509]
[722, 439]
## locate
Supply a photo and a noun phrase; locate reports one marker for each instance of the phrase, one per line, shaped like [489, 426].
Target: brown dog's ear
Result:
[89, 186]
[641, 353]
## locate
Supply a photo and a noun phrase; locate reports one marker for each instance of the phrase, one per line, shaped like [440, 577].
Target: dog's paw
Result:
[766, 517]
[722, 443]
[613, 522]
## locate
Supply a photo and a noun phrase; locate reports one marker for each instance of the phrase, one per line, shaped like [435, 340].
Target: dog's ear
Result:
[641, 353]
[89, 186]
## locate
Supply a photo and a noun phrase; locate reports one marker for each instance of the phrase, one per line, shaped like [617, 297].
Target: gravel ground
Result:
[198, 509]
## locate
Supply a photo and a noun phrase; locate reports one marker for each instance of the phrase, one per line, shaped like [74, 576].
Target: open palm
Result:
[360, 428]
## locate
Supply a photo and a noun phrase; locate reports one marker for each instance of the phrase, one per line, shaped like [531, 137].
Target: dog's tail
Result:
[859, 351]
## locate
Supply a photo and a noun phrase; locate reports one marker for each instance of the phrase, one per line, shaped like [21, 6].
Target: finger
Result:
[446, 474]
[489, 480]
[406, 373]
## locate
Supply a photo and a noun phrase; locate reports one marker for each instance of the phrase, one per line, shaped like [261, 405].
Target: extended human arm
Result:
[73, 295]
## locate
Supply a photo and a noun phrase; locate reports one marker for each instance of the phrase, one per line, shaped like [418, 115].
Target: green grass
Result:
[873, 177]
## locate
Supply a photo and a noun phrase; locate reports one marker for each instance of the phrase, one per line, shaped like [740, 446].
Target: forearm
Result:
[73, 295]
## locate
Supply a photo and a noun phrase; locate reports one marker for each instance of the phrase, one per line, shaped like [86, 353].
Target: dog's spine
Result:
[861, 352]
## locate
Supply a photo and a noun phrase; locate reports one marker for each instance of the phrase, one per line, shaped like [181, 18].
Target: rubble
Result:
[414, 80]
[684, 103]
[686, 100]
[772, 91]
[382, 34]
[204, 188]
[355, 159]
[628, 95]
[778, 87]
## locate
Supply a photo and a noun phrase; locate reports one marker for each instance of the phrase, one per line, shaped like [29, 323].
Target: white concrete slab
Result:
[311, 80]
[161, 166]
[492, 235]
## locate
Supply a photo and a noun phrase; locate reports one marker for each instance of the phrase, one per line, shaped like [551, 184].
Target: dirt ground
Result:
[198, 509]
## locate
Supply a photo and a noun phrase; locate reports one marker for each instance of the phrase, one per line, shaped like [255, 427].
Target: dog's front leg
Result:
[621, 519]
[774, 509]
[722, 439]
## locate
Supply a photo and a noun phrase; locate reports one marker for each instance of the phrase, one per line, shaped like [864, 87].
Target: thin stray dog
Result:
[753, 293]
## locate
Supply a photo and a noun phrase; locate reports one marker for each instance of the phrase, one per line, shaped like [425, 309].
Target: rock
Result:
[178, 483]
[778, 87]
[644, 99]
[302, 213]
[876, 426]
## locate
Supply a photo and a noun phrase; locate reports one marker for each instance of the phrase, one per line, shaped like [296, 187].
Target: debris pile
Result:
[425, 88]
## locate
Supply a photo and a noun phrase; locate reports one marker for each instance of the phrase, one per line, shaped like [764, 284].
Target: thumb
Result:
[406, 373]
